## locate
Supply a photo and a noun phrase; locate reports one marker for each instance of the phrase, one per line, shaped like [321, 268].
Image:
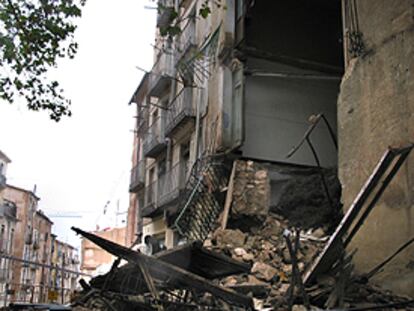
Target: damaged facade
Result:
[232, 94]
[245, 97]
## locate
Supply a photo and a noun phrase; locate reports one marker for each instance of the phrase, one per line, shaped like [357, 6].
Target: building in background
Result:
[24, 247]
[4, 161]
[8, 220]
[95, 260]
[67, 270]
[42, 246]
[34, 265]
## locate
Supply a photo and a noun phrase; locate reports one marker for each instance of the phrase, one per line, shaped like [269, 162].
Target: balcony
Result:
[180, 111]
[165, 11]
[150, 199]
[36, 244]
[142, 125]
[187, 38]
[154, 140]
[2, 181]
[4, 275]
[4, 246]
[170, 184]
[161, 74]
[165, 190]
[137, 177]
[8, 209]
[28, 238]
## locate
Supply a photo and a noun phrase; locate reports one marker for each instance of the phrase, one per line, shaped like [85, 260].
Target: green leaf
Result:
[204, 11]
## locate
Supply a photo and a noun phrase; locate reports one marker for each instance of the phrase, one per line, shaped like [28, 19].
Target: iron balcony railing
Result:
[151, 194]
[28, 238]
[165, 10]
[4, 246]
[4, 275]
[2, 180]
[8, 209]
[170, 184]
[137, 176]
[166, 188]
[180, 109]
[154, 139]
[187, 38]
[161, 73]
[142, 116]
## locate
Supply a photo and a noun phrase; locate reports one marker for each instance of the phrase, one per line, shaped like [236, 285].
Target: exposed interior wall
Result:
[299, 30]
[277, 111]
[375, 110]
[293, 37]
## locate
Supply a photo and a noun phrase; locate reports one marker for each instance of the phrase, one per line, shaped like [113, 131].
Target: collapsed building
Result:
[244, 124]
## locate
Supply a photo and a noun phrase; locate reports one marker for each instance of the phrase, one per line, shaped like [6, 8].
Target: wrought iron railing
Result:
[166, 188]
[154, 135]
[170, 184]
[181, 107]
[187, 38]
[151, 194]
[163, 66]
[2, 180]
[137, 175]
[8, 209]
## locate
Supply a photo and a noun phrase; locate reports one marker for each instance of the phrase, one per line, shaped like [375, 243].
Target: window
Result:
[162, 167]
[3, 243]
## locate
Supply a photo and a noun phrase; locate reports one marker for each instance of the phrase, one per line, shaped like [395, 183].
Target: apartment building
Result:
[64, 281]
[219, 87]
[26, 202]
[8, 220]
[4, 161]
[42, 245]
[31, 257]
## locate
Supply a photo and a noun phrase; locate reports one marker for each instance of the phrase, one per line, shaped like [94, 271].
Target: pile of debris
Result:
[265, 249]
[255, 258]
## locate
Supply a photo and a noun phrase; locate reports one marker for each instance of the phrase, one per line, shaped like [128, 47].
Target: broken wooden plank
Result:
[150, 283]
[329, 255]
[169, 274]
[229, 198]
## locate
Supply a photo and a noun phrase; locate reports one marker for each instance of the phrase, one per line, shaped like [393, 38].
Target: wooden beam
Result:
[229, 198]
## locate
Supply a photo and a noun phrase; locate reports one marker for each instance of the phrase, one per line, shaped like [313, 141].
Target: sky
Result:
[82, 162]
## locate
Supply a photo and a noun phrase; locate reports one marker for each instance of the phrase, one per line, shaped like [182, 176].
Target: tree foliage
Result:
[172, 25]
[34, 34]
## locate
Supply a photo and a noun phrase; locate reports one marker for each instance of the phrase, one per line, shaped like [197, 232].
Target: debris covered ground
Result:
[255, 258]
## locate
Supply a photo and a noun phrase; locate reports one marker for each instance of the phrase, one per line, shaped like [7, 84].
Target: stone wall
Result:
[251, 192]
[375, 110]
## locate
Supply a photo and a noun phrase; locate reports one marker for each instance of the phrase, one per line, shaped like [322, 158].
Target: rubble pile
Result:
[258, 256]
[264, 247]
[255, 235]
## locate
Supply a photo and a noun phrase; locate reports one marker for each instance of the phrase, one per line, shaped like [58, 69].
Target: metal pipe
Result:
[197, 130]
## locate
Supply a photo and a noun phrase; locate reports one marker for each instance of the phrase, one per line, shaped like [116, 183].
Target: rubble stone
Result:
[251, 191]
[299, 308]
[263, 271]
[251, 279]
[239, 251]
[230, 238]
[248, 257]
